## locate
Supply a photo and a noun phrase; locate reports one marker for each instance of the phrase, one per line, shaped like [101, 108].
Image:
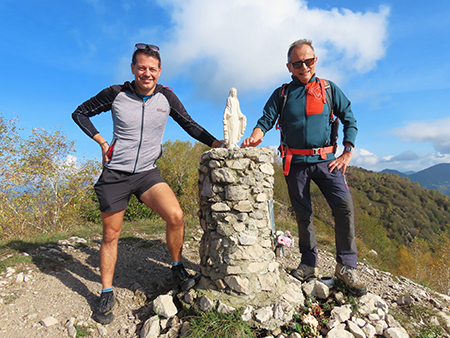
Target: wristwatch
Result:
[349, 148]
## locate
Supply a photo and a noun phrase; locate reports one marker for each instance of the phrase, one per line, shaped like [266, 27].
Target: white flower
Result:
[311, 320]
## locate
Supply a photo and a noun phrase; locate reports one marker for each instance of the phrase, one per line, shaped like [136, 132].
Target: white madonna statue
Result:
[234, 122]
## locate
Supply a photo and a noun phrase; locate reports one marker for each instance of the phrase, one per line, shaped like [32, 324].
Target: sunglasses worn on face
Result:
[144, 46]
[299, 64]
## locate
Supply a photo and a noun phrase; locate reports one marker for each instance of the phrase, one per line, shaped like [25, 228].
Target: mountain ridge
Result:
[435, 177]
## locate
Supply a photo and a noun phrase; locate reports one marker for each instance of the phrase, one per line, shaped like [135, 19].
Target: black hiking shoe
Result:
[104, 314]
[180, 275]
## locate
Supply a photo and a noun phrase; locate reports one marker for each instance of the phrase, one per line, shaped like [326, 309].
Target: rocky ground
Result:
[62, 285]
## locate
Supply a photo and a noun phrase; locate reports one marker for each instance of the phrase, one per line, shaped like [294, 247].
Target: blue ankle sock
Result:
[176, 263]
[107, 290]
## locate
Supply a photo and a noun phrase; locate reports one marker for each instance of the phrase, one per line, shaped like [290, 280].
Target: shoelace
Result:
[105, 303]
[350, 273]
[302, 268]
[182, 274]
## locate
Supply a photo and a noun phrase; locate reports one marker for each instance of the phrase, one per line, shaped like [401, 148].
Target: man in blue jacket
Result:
[309, 154]
[140, 110]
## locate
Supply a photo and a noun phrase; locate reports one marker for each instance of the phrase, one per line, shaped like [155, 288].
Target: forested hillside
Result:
[405, 209]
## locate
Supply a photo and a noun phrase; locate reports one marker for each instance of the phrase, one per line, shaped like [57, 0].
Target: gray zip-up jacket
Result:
[138, 126]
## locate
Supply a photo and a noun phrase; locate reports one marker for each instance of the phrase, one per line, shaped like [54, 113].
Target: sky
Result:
[391, 58]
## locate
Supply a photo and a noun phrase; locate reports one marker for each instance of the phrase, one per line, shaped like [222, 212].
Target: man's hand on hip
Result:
[341, 162]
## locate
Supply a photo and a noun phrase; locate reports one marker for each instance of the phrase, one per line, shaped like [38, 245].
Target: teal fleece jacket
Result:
[304, 130]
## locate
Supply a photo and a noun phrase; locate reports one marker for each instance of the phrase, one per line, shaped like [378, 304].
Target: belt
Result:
[288, 152]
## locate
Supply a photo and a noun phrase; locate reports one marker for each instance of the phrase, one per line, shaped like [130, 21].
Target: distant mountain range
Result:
[436, 177]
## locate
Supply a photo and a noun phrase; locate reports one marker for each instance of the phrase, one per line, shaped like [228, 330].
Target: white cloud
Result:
[436, 132]
[420, 162]
[387, 158]
[71, 160]
[435, 158]
[406, 156]
[69, 164]
[364, 158]
[243, 43]
[404, 162]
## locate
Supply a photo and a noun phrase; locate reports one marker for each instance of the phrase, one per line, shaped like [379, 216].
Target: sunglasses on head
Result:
[144, 46]
[299, 64]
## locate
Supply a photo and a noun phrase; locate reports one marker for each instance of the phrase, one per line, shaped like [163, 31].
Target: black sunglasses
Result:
[299, 64]
[144, 46]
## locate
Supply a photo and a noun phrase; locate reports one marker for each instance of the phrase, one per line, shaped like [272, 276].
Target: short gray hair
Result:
[299, 43]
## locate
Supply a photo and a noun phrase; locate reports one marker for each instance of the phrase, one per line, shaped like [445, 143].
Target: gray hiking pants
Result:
[334, 187]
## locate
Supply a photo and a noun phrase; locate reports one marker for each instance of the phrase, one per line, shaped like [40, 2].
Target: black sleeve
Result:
[95, 105]
[180, 115]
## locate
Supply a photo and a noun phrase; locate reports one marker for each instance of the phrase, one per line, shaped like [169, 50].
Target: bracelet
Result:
[103, 143]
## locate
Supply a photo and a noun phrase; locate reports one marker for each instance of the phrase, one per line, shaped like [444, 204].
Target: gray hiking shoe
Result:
[305, 273]
[350, 277]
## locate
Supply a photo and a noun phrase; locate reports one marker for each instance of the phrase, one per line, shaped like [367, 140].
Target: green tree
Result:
[440, 264]
[179, 165]
[42, 185]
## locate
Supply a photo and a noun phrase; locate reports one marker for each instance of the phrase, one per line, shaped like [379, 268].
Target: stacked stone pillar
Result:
[237, 246]
[238, 263]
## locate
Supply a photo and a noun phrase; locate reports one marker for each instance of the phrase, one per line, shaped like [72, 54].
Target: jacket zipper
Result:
[140, 138]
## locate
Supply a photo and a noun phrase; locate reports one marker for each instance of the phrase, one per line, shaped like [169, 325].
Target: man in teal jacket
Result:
[309, 154]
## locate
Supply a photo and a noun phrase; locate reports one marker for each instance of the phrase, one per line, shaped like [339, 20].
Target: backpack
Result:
[334, 121]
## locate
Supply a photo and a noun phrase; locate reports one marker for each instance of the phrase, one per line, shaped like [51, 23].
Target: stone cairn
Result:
[238, 265]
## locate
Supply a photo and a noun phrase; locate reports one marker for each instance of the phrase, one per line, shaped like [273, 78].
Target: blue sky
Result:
[391, 58]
